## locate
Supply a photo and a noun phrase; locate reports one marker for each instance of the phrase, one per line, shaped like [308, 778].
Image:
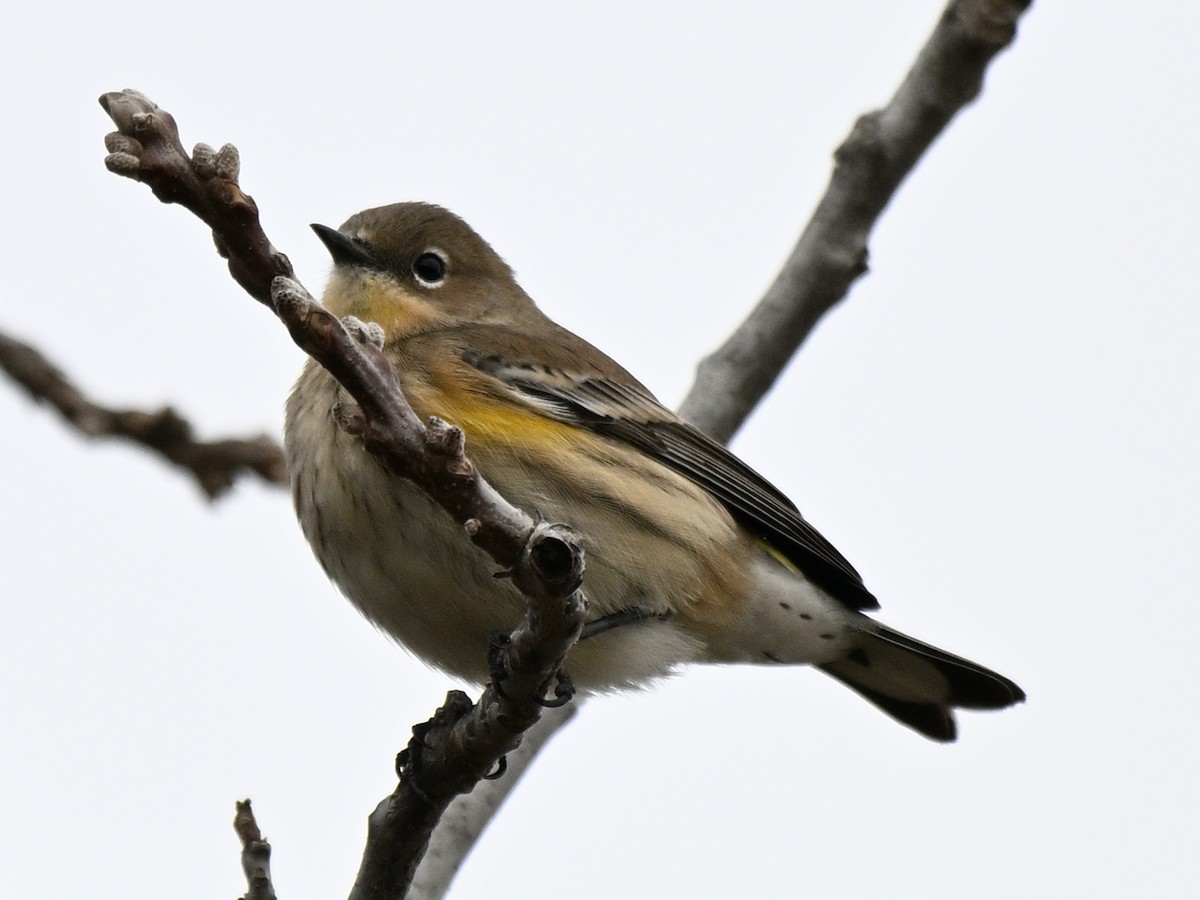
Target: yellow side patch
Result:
[489, 421]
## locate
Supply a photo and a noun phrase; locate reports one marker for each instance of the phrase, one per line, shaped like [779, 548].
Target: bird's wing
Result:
[627, 412]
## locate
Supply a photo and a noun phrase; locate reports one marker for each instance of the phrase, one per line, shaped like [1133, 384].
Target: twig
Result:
[146, 148]
[216, 465]
[256, 854]
[883, 147]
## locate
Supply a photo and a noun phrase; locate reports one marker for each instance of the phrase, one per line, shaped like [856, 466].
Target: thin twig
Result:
[146, 148]
[256, 854]
[215, 465]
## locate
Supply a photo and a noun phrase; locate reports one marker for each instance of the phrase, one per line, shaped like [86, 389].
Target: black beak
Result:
[346, 251]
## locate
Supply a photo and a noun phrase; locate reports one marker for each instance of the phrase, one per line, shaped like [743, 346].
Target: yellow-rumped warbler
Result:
[691, 555]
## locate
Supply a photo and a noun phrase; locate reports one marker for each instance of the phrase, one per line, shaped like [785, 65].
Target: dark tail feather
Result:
[920, 685]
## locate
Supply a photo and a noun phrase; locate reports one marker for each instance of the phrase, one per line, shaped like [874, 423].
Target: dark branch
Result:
[216, 465]
[463, 743]
[472, 739]
[146, 148]
[882, 149]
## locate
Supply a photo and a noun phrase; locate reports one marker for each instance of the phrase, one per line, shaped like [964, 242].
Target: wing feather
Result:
[630, 414]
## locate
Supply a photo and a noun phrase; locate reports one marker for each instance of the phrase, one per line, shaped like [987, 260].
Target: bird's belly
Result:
[411, 570]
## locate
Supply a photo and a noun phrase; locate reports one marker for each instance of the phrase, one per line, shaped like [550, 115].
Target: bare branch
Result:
[463, 743]
[256, 854]
[467, 816]
[874, 159]
[146, 148]
[216, 465]
[470, 740]
[881, 150]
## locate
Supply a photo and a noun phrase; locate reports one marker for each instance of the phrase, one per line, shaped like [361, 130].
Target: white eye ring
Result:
[431, 268]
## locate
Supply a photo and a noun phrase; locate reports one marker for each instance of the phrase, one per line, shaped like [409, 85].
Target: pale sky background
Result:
[999, 429]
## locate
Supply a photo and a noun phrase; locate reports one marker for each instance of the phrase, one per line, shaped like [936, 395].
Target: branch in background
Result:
[882, 149]
[463, 743]
[216, 465]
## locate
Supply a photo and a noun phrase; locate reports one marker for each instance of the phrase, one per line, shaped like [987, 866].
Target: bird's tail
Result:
[917, 684]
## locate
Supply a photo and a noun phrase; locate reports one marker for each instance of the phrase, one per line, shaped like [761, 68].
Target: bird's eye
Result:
[430, 268]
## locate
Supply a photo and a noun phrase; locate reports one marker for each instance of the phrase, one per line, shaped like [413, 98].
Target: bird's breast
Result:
[653, 540]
